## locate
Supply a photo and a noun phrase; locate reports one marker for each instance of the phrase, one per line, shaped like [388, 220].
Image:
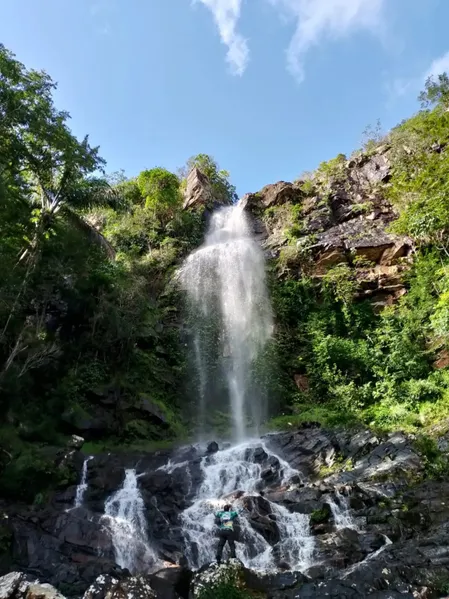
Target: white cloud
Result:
[400, 87]
[100, 11]
[226, 15]
[438, 67]
[318, 19]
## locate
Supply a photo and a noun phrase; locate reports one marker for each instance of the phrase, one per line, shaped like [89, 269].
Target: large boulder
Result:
[9, 584]
[110, 587]
[198, 190]
[16, 586]
[234, 573]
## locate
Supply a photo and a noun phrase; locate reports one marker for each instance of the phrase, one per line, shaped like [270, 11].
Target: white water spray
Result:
[224, 474]
[124, 511]
[225, 284]
[341, 512]
[82, 487]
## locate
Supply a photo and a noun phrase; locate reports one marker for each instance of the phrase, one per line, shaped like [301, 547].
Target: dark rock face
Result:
[198, 190]
[394, 541]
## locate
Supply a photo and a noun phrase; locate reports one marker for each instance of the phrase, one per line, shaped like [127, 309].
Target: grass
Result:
[383, 417]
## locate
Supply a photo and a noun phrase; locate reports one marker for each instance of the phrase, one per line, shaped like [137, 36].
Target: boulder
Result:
[75, 442]
[261, 518]
[171, 583]
[153, 410]
[110, 587]
[9, 584]
[276, 194]
[198, 190]
[212, 447]
[15, 586]
[42, 591]
[213, 575]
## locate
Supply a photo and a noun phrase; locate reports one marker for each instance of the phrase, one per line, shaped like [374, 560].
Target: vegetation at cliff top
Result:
[388, 370]
[90, 333]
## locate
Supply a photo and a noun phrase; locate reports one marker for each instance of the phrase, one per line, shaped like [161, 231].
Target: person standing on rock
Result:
[225, 520]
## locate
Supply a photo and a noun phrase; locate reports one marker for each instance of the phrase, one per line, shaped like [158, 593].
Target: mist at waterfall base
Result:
[230, 322]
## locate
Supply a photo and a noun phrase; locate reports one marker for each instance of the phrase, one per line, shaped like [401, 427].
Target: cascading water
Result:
[341, 512]
[232, 322]
[82, 487]
[225, 473]
[226, 287]
[124, 511]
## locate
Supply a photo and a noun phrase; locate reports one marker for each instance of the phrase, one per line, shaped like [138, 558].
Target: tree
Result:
[436, 92]
[219, 179]
[43, 166]
[159, 187]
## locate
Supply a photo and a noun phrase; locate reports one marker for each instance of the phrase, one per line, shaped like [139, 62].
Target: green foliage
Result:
[227, 586]
[320, 515]
[419, 187]
[28, 476]
[219, 179]
[436, 91]
[160, 188]
[372, 137]
[436, 463]
[376, 369]
[87, 310]
[332, 170]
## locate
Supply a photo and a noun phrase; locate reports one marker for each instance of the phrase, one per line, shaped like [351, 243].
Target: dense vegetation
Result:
[386, 370]
[91, 339]
[89, 336]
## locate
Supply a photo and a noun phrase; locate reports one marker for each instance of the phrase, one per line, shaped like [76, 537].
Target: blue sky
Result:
[270, 88]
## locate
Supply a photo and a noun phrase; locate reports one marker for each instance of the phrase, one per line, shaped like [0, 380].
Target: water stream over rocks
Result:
[240, 473]
[299, 535]
[143, 511]
[82, 487]
[124, 513]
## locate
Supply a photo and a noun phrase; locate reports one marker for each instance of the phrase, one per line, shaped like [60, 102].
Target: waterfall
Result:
[82, 487]
[226, 289]
[341, 512]
[124, 511]
[224, 473]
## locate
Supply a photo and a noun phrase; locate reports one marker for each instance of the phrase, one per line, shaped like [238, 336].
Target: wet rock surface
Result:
[392, 540]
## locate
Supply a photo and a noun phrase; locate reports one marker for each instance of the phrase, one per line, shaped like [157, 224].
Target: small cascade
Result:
[340, 509]
[124, 511]
[233, 474]
[82, 487]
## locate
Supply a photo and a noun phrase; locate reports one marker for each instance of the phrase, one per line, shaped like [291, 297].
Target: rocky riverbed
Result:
[324, 514]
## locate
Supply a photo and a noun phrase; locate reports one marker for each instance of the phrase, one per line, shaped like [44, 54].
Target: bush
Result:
[27, 475]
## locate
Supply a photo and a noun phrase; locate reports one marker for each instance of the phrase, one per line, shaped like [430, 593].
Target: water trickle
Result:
[226, 287]
[82, 487]
[124, 511]
[340, 509]
[232, 470]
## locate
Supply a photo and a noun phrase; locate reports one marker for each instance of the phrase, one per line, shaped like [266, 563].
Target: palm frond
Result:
[92, 192]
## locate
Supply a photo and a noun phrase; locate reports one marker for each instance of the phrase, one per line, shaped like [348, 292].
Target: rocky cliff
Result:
[377, 525]
[340, 216]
